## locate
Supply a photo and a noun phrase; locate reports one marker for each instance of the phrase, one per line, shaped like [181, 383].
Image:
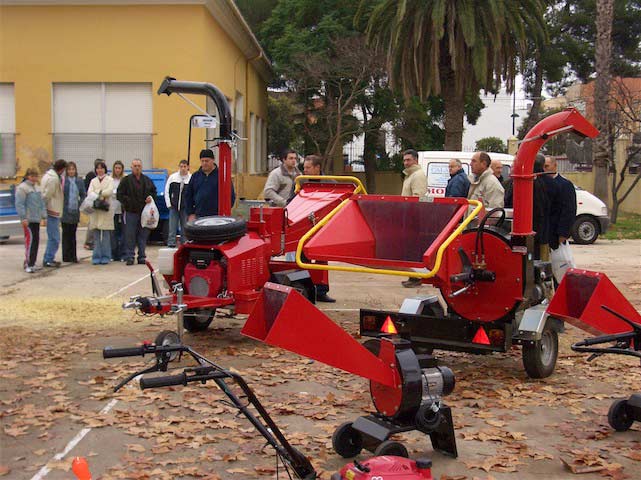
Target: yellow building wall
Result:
[42, 45]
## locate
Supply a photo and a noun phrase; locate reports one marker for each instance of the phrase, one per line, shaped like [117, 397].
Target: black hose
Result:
[481, 228]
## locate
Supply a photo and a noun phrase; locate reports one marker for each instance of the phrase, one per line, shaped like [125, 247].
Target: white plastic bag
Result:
[149, 216]
[86, 206]
[561, 260]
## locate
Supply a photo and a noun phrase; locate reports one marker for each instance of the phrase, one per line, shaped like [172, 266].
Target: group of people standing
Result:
[114, 228]
[54, 203]
[554, 201]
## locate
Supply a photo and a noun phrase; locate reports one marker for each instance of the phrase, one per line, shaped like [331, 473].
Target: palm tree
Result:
[603, 59]
[453, 47]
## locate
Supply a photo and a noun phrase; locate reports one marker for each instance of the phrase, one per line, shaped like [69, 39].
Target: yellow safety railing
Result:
[338, 178]
[382, 271]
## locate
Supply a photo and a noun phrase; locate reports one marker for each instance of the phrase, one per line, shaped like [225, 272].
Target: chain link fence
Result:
[8, 155]
[84, 148]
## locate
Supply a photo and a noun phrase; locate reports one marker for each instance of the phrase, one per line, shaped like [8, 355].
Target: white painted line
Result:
[340, 309]
[111, 295]
[74, 441]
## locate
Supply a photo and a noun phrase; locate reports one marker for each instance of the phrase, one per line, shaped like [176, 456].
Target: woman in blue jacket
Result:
[74, 194]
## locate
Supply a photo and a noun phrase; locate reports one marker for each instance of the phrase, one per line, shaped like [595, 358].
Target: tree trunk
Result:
[454, 112]
[603, 57]
[533, 117]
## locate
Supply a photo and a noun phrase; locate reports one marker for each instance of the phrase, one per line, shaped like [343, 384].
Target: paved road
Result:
[53, 325]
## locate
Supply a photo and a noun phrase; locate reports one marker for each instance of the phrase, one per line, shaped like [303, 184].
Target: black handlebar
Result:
[111, 352]
[164, 381]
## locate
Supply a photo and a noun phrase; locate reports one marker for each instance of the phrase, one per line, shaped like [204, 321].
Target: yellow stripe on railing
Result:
[381, 271]
[338, 178]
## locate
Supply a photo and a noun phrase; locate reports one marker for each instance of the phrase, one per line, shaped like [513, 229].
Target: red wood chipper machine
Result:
[226, 260]
[496, 296]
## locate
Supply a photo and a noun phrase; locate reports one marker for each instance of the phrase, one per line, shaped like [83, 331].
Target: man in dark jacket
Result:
[201, 193]
[458, 184]
[562, 207]
[134, 192]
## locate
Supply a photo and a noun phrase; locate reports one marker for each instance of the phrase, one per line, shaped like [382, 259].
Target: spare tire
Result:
[215, 229]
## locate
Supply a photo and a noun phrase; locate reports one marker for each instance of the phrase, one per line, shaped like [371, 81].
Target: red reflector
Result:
[481, 337]
[389, 327]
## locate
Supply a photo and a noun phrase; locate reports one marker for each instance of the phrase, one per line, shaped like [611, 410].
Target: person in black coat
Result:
[201, 193]
[562, 206]
[134, 192]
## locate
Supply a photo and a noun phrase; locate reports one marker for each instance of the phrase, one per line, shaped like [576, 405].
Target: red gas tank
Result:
[387, 467]
[204, 279]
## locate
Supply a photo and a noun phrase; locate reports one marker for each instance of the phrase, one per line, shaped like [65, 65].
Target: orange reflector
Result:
[481, 337]
[389, 327]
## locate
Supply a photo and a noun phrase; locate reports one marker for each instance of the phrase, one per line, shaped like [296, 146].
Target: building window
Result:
[112, 121]
[262, 130]
[257, 144]
[8, 164]
[239, 126]
[254, 150]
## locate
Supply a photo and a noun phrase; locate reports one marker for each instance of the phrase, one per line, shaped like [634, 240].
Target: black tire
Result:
[428, 419]
[168, 337]
[539, 358]
[585, 230]
[392, 448]
[619, 417]
[346, 441]
[198, 320]
[215, 229]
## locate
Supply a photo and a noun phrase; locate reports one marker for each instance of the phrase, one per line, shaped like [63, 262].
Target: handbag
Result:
[561, 260]
[101, 204]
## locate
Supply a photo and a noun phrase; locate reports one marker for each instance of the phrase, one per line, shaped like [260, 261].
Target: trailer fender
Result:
[533, 322]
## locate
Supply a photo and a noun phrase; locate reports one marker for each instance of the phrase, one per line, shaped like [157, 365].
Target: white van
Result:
[591, 213]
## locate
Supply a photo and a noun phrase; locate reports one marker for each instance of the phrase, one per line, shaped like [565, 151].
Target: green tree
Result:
[448, 47]
[570, 52]
[491, 144]
[256, 12]
[283, 124]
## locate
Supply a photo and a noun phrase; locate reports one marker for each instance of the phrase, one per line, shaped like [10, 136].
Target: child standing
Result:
[31, 210]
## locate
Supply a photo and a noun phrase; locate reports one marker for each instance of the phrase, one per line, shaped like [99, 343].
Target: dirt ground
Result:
[55, 384]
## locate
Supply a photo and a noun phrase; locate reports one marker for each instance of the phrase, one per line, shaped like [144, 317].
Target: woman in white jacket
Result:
[101, 220]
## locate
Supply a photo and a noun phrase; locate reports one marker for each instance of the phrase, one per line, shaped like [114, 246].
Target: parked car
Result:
[592, 217]
[10, 225]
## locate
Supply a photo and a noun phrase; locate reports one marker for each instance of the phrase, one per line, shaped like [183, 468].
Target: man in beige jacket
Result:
[484, 185]
[414, 185]
[52, 193]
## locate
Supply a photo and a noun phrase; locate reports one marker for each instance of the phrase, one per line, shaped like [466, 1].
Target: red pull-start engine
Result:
[388, 467]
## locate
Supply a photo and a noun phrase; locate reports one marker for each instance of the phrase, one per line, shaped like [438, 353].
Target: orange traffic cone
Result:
[81, 468]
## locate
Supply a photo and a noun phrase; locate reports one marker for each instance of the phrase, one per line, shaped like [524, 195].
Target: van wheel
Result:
[585, 230]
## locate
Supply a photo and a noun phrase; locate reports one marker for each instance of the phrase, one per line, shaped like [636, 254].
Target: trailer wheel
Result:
[215, 229]
[619, 417]
[168, 337]
[346, 441]
[198, 320]
[390, 447]
[539, 358]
